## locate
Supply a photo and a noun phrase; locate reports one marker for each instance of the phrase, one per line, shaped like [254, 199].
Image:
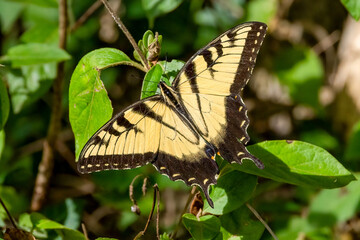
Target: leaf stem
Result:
[257, 215]
[127, 34]
[8, 213]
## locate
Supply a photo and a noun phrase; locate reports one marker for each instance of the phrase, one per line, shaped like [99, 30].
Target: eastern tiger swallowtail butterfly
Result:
[181, 130]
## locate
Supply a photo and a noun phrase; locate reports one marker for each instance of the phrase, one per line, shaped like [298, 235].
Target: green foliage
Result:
[301, 71]
[205, 227]
[4, 104]
[154, 9]
[89, 104]
[353, 6]
[227, 194]
[149, 40]
[304, 191]
[35, 53]
[294, 162]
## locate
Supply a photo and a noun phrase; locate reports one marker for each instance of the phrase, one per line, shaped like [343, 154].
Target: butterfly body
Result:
[180, 130]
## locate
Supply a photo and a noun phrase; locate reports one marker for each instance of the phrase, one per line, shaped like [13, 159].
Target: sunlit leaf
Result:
[297, 163]
[151, 81]
[41, 222]
[232, 190]
[205, 227]
[89, 104]
[353, 7]
[35, 53]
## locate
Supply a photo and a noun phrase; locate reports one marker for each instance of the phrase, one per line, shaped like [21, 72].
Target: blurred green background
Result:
[305, 86]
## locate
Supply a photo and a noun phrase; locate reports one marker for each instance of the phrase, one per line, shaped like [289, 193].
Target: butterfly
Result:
[182, 129]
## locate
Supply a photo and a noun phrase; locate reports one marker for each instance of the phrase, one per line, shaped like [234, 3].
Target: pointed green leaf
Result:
[240, 223]
[353, 7]
[297, 163]
[151, 81]
[205, 227]
[89, 104]
[232, 190]
[171, 70]
[35, 53]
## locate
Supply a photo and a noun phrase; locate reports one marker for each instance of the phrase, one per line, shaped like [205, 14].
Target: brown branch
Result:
[85, 16]
[47, 162]
[257, 215]
[127, 34]
[83, 227]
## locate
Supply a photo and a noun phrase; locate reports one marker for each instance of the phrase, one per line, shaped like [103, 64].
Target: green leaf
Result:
[151, 81]
[320, 137]
[232, 190]
[35, 53]
[165, 236]
[261, 10]
[297, 163]
[205, 227]
[323, 212]
[4, 104]
[156, 8]
[89, 104]
[171, 70]
[41, 222]
[352, 151]
[301, 70]
[240, 223]
[353, 7]
[2, 141]
[42, 33]
[10, 11]
[14, 202]
[42, 3]
[29, 83]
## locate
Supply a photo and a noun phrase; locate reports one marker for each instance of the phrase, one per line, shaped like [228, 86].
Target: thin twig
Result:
[47, 162]
[84, 231]
[191, 196]
[127, 34]
[8, 213]
[134, 208]
[86, 15]
[157, 211]
[257, 215]
[141, 233]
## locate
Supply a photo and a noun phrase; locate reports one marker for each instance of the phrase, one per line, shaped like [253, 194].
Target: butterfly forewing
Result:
[209, 85]
[130, 139]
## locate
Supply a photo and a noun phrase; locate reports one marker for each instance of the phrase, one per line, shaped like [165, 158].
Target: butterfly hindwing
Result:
[209, 85]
